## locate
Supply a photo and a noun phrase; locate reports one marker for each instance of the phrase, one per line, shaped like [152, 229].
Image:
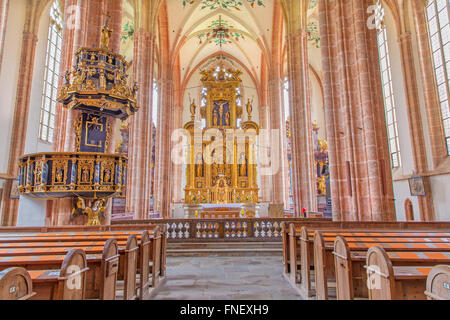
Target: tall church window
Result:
[155, 102]
[439, 32]
[388, 95]
[288, 138]
[51, 78]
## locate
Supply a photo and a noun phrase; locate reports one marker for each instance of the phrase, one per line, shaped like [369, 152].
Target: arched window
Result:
[51, 77]
[439, 32]
[388, 95]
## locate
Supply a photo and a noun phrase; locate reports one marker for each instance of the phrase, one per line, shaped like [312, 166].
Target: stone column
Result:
[96, 15]
[278, 147]
[139, 154]
[265, 179]
[164, 163]
[361, 182]
[264, 126]
[303, 175]
[115, 9]
[20, 121]
[78, 27]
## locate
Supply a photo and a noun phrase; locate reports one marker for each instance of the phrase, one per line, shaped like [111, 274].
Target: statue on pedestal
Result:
[106, 34]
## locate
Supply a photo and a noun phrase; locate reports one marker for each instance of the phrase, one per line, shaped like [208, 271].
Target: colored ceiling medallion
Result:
[127, 32]
[220, 33]
[225, 4]
[313, 34]
[312, 4]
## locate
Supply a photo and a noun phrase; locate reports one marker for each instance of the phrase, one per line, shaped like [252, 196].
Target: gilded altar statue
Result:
[193, 108]
[106, 35]
[231, 176]
[249, 106]
[242, 165]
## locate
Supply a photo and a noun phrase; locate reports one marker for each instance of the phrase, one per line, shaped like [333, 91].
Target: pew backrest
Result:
[15, 284]
[109, 269]
[72, 276]
[131, 262]
[438, 283]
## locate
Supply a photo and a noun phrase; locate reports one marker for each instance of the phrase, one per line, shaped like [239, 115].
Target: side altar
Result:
[221, 152]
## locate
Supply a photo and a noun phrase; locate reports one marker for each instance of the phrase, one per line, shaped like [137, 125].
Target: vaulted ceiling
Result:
[189, 24]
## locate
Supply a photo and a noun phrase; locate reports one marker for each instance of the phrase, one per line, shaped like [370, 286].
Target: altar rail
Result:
[241, 229]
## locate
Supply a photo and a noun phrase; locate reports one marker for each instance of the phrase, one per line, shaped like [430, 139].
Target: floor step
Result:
[224, 249]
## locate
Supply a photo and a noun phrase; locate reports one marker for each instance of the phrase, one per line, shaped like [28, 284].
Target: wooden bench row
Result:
[389, 282]
[107, 258]
[320, 256]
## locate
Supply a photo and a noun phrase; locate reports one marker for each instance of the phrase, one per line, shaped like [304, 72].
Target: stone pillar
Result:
[75, 36]
[264, 126]
[303, 175]
[164, 162]
[4, 5]
[278, 147]
[20, 122]
[415, 124]
[96, 15]
[265, 179]
[115, 9]
[139, 154]
[361, 182]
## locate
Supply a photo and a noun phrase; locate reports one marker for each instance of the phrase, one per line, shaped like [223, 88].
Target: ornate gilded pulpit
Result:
[221, 155]
[97, 94]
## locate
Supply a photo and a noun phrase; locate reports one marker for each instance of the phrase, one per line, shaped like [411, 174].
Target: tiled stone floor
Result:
[225, 278]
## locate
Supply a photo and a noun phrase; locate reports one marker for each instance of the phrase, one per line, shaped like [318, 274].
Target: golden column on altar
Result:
[221, 157]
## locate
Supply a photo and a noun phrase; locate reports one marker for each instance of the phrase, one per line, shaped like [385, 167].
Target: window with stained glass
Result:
[51, 77]
[389, 99]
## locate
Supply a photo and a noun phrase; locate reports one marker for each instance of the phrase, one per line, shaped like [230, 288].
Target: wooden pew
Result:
[304, 254]
[438, 283]
[130, 268]
[67, 283]
[127, 261]
[394, 283]
[292, 229]
[100, 278]
[156, 254]
[351, 278]
[111, 229]
[76, 239]
[144, 267]
[15, 284]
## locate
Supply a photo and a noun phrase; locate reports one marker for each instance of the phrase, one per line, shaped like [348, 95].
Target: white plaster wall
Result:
[9, 76]
[317, 110]
[401, 193]
[440, 186]
[32, 211]
[401, 187]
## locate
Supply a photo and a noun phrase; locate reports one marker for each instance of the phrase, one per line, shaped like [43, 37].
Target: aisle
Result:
[225, 278]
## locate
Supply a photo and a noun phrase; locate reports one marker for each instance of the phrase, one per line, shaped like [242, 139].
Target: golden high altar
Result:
[221, 153]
